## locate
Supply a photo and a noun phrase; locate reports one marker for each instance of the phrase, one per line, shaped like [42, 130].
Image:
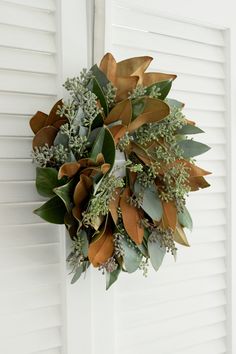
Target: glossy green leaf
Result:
[97, 90]
[151, 203]
[104, 144]
[189, 129]
[52, 211]
[156, 253]
[65, 192]
[47, 180]
[185, 219]
[100, 76]
[112, 277]
[163, 88]
[132, 256]
[174, 103]
[192, 148]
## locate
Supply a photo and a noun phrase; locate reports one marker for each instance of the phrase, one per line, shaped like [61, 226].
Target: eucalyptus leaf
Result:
[185, 219]
[79, 270]
[82, 235]
[47, 180]
[163, 88]
[151, 203]
[156, 253]
[132, 256]
[52, 211]
[65, 192]
[189, 129]
[61, 139]
[192, 148]
[112, 277]
[138, 106]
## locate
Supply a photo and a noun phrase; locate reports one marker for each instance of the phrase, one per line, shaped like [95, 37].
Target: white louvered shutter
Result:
[30, 256]
[182, 308]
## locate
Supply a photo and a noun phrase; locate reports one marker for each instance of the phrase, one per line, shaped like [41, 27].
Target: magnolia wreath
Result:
[115, 160]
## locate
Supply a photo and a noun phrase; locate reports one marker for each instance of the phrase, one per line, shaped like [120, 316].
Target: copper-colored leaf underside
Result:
[46, 135]
[169, 218]
[113, 205]
[133, 66]
[38, 121]
[148, 79]
[118, 131]
[101, 249]
[122, 111]
[82, 189]
[131, 218]
[180, 237]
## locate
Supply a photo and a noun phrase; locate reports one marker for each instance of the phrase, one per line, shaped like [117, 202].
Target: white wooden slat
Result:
[47, 5]
[159, 329]
[206, 118]
[29, 256]
[24, 322]
[217, 185]
[24, 103]
[18, 192]
[146, 21]
[25, 301]
[144, 316]
[51, 351]
[170, 292]
[18, 59]
[212, 136]
[157, 42]
[181, 341]
[15, 125]
[27, 279]
[19, 213]
[217, 168]
[164, 61]
[200, 101]
[198, 84]
[207, 201]
[17, 170]
[209, 218]
[26, 17]
[15, 147]
[206, 235]
[31, 342]
[28, 235]
[212, 347]
[27, 39]
[217, 152]
[24, 82]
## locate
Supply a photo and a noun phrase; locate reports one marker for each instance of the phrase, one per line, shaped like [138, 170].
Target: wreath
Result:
[117, 164]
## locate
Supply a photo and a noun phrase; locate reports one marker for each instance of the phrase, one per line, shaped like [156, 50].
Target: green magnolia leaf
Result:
[138, 106]
[77, 274]
[100, 76]
[185, 219]
[104, 144]
[52, 211]
[47, 180]
[65, 192]
[174, 103]
[192, 148]
[189, 129]
[132, 256]
[82, 236]
[112, 277]
[97, 90]
[151, 203]
[156, 253]
[163, 88]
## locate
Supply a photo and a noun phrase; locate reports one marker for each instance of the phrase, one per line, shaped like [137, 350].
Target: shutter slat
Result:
[27, 39]
[47, 5]
[212, 347]
[206, 202]
[18, 191]
[17, 170]
[26, 17]
[28, 279]
[28, 235]
[146, 21]
[24, 82]
[15, 125]
[25, 104]
[159, 43]
[15, 147]
[29, 61]
[199, 84]
[19, 213]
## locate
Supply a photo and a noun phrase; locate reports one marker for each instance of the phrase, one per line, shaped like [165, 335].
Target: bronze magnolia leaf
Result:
[46, 135]
[180, 237]
[131, 218]
[102, 248]
[169, 218]
[38, 121]
[122, 111]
